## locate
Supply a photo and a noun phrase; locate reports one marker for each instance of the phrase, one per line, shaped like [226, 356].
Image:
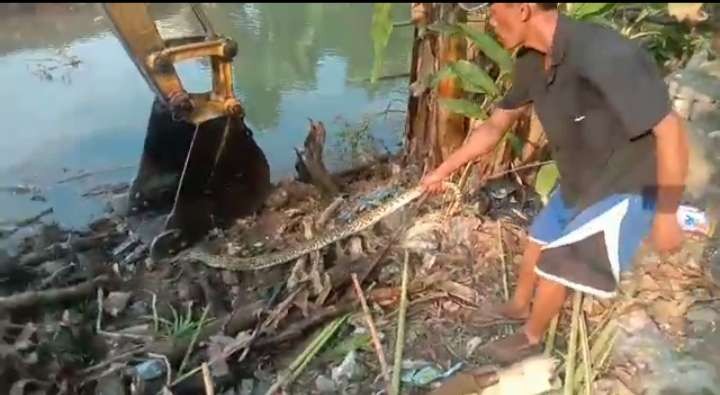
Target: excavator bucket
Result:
[199, 157]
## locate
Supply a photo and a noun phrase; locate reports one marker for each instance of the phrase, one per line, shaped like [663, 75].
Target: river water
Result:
[295, 61]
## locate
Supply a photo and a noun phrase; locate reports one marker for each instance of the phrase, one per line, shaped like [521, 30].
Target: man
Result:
[620, 149]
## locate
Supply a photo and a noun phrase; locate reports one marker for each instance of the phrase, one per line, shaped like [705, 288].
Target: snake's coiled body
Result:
[269, 260]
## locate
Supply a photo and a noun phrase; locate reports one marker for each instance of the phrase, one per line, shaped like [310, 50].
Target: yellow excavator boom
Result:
[155, 58]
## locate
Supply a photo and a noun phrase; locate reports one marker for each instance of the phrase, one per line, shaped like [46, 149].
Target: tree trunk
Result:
[433, 132]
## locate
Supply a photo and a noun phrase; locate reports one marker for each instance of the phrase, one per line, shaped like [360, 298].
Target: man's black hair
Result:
[547, 6]
[477, 6]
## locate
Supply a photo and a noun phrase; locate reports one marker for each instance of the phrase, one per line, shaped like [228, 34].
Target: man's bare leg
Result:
[548, 302]
[519, 305]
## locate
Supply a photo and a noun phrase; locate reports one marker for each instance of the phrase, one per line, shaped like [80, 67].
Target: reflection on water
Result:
[294, 62]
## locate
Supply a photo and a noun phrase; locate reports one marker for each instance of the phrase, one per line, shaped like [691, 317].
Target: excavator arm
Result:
[155, 58]
[218, 171]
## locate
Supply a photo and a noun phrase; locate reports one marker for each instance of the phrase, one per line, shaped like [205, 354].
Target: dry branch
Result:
[372, 329]
[309, 164]
[32, 298]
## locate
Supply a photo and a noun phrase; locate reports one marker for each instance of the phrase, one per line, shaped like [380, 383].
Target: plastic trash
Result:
[693, 220]
[150, 369]
[421, 377]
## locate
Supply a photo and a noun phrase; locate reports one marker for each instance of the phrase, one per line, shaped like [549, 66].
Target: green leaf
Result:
[490, 47]
[382, 27]
[464, 107]
[601, 20]
[474, 78]
[585, 10]
[342, 348]
[546, 179]
[516, 144]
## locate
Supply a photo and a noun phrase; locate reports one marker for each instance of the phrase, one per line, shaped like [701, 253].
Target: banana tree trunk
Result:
[433, 132]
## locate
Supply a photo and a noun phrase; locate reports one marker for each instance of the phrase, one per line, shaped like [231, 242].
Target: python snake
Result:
[366, 220]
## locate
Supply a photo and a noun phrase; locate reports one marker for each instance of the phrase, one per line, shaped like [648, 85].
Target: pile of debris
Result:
[91, 313]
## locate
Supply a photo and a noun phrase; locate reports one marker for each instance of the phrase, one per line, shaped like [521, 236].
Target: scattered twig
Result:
[328, 212]
[443, 295]
[34, 218]
[299, 364]
[119, 357]
[400, 340]
[599, 351]
[48, 281]
[31, 298]
[207, 380]
[224, 355]
[299, 328]
[168, 367]
[604, 322]
[506, 293]
[94, 173]
[275, 315]
[604, 357]
[156, 321]
[585, 353]
[572, 345]
[326, 335]
[260, 324]
[706, 300]
[371, 328]
[550, 341]
[98, 323]
[517, 169]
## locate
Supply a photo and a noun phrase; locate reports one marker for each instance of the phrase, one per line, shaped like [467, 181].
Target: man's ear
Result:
[525, 11]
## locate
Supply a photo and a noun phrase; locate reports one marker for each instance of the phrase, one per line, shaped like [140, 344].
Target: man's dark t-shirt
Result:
[598, 103]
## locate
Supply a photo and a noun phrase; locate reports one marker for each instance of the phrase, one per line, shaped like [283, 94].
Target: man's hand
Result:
[433, 182]
[484, 135]
[667, 235]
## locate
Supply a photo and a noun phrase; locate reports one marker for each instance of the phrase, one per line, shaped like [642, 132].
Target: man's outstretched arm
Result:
[484, 136]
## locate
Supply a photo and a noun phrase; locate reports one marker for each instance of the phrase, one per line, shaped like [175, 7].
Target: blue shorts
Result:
[587, 250]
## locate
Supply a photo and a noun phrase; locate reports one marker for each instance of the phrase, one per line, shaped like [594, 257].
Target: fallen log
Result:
[32, 298]
[59, 250]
